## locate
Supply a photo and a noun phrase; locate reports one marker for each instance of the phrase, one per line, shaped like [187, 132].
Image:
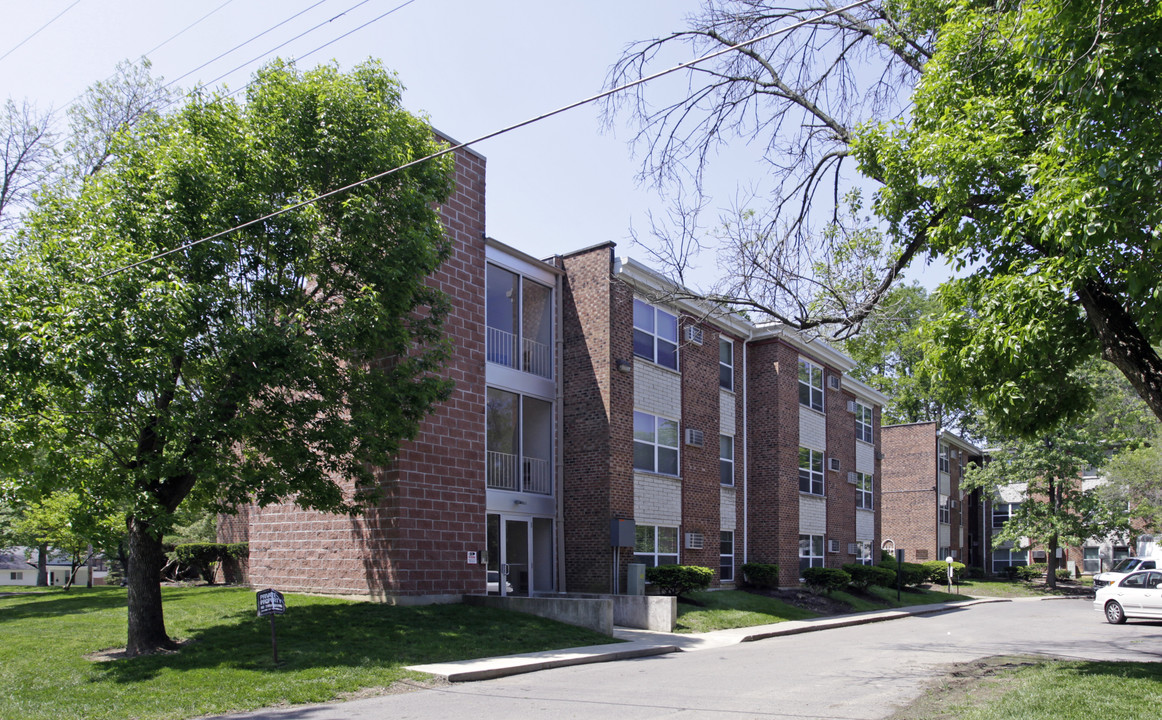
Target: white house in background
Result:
[15, 570]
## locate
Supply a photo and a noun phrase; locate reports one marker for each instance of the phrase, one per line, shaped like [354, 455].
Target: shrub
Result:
[761, 575]
[864, 576]
[236, 551]
[1064, 574]
[679, 579]
[204, 557]
[937, 571]
[1028, 573]
[911, 574]
[826, 580]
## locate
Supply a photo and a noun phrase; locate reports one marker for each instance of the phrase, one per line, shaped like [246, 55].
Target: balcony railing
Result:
[534, 357]
[535, 475]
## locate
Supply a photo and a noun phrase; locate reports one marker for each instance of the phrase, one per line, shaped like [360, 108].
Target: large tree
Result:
[282, 361]
[1017, 140]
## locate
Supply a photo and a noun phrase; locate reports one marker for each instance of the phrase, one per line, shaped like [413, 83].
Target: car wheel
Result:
[1114, 613]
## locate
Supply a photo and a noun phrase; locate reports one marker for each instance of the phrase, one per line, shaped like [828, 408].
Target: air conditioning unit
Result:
[832, 546]
[833, 382]
[833, 464]
[853, 548]
[693, 334]
[954, 553]
[695, 541]
[853, 477]
[694, 437]
[954, 504]
[879, 455]
[952, 453]
[851, 406]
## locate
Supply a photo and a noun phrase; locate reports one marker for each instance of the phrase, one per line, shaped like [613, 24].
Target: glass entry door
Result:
[508, 556]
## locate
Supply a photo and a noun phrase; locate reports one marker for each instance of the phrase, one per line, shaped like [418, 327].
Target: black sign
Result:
[270, 602]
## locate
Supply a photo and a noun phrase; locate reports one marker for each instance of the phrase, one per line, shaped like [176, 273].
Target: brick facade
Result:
[414, 543]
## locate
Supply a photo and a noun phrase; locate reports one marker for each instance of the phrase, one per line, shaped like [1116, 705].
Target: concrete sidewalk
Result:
[642, 643]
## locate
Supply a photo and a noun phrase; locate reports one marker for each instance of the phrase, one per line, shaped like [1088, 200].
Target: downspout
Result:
[745, 456]
[559, 418]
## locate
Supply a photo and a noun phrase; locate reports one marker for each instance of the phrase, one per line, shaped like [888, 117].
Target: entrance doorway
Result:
[520, 555]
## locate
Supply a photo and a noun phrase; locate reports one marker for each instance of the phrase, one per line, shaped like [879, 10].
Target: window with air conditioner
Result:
[655, 334]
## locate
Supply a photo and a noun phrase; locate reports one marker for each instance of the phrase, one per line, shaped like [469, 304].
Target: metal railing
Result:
[535, 475]
[534, 357]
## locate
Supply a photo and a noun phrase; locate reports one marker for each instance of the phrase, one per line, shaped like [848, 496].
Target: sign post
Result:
[899, 572]
[271, 603]
[950, 561]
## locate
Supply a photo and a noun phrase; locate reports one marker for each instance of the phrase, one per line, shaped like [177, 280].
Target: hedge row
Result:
[204, 557]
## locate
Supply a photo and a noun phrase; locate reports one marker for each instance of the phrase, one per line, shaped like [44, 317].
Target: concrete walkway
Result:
[641, 643]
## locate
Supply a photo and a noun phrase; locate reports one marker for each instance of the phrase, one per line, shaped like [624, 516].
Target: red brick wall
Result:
[701, 485]
[840, 493]
[415, 541]
[909, 474]
[773, 446]
[597, 452]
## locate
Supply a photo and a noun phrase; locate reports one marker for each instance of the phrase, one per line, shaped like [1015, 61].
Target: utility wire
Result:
[42, 27]
[252, 39]
[489, 136]
[329, 42]
[183, 31]
[306, 32]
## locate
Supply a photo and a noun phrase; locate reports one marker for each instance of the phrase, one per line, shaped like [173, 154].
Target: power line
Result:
[42, 27]
[183, 31]
[252, 39]
[307, 32]
[488, 136]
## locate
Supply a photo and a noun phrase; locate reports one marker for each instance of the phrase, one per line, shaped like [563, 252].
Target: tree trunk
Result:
[146, 622]
[42, 566]
[1051, 563]
[1123, 343]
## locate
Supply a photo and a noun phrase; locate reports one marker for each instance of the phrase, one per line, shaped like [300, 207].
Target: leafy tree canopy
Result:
[280, 362]
[1017, 139]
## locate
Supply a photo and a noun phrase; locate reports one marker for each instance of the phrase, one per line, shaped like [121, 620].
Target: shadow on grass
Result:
[352, 635]
[1129, 670]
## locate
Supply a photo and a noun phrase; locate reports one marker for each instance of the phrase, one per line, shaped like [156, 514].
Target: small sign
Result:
[472, 558]
[270, 602]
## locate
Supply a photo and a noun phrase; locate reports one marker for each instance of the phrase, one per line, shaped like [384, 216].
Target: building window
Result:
[1004, 558]
[656, 545]
[16, 576]
[944, 513]
[863, 552]
[1002, 512]
[863, 422]
[810, 385]
[1091, 562]
[726, 556]
[519, 438]
[943, 457]
[655, 444]
[810, 471]
[725, 364]
[726, 459]
[519, 316]
[655, 334]
[810, 551]
[943, 553]
[863, 491]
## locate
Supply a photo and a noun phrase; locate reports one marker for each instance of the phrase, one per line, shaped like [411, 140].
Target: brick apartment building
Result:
[926, 512]
[584, 397]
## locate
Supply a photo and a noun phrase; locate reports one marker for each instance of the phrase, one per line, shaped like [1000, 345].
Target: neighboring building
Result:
[926, 512]
[15, 570]
[583, 399]
[725, 442]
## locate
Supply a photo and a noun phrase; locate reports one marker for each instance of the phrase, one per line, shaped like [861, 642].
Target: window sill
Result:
[812, 495]
[655, 364]
[653, 473]
[808, 408]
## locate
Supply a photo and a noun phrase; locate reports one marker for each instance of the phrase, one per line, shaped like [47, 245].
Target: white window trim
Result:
[864, 428]
[811, 368]
[656, 553]
[722, 557]
[728, 343]
[813, 560]
[865, 491]
[656, 445]
[812, 473]
[722, 460]
[656, 337]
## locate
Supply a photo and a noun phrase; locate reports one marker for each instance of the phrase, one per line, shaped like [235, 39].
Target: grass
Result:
[1011, 589]
[328, 648]
[1036, 689]
[725, 609]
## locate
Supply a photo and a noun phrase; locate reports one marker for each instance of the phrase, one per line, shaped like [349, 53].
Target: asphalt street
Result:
[853, 673]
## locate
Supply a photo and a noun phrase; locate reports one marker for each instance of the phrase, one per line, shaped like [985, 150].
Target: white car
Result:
[1137, 595]
[1124, 567]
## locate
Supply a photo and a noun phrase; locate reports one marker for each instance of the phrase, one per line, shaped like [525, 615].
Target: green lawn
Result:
[724, 609]
[1016, 588]
[1034, 689]
[327, 648]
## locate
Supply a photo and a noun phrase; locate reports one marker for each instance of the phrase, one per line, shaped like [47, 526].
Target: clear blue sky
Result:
[472, 66]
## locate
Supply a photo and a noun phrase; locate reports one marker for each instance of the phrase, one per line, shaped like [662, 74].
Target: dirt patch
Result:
[111, 654]
[967, 684]
[819, 604]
